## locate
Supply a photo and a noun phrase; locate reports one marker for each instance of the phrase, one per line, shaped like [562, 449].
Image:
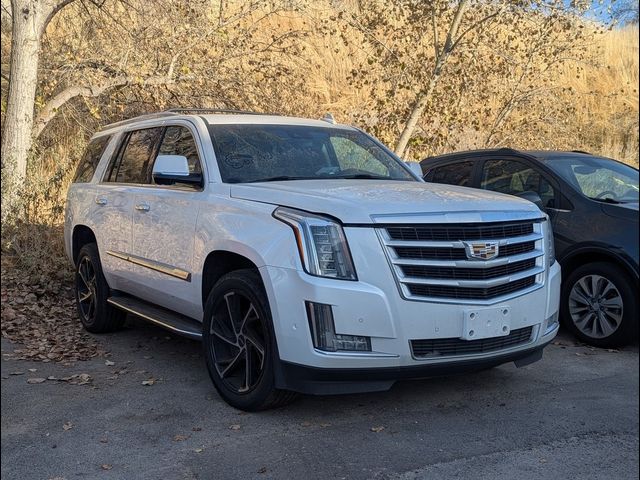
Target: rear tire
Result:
[599, 305]
[238, 342]
[92, 291]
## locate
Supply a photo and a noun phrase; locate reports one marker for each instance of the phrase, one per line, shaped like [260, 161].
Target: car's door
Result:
[114, 203]
[164, 223]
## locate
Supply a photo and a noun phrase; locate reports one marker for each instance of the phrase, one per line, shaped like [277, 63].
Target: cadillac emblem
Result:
[481, 250]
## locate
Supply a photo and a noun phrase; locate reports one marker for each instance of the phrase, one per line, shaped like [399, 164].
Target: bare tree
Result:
[433, 53]
[29, 21]
[191, 52]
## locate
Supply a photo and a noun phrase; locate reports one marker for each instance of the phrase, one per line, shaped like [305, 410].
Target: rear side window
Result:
[133, 164]
[453, 174]
[90, 159]
[514, 178]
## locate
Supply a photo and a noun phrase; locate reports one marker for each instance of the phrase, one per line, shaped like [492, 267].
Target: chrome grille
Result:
[430, 261]
[445, 253]
[483, 231]
[448, 347]
[424, 271]
[470, 293]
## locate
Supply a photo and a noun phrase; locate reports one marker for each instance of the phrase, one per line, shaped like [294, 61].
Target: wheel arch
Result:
[596, 253]
[81, 236]
[220, 262]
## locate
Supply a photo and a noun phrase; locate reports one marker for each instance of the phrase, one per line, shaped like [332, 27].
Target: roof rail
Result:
[187, 111]
[148, 116]
[180, 111]
[581, 151]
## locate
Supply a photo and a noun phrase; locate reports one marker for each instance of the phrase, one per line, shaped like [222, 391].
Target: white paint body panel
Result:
[182, 228]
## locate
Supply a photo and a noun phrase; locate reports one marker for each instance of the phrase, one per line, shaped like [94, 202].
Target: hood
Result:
[371, 201]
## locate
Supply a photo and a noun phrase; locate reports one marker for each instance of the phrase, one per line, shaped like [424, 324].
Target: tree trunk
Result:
[423, 97]
[27, 24]
[415, 115]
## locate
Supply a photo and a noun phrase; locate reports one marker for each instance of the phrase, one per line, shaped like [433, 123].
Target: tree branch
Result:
[52, 107]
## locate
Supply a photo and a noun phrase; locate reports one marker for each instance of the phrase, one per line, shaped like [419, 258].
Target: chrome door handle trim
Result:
[101, 201]
[142, 207]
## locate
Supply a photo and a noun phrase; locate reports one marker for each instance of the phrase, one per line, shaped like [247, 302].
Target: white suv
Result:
[305, 255]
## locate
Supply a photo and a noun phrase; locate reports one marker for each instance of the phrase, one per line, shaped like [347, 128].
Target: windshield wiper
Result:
[366, 176]
[280, 178]
[607, 200]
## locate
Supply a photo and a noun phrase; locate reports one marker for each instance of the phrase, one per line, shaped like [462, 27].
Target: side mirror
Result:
[172, 169]
[415, 168]
[533, 197]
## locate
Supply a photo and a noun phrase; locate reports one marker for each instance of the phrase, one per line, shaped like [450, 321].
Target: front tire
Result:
[92, 291]
[238, 343]
[599, 305]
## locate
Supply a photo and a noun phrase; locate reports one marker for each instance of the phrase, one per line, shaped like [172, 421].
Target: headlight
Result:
[321, 242]
[551, 250]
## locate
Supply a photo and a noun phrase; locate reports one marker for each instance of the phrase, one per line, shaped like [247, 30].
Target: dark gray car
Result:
[593, 204]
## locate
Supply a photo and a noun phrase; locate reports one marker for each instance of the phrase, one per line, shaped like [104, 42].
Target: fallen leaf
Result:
[234, 427]
[32, 370]
[67, 426]
[36, 380]
[106, 466]
[262, 470]
[109, 363]
[306, 424]
[148, 382]
[104, 440]
[325, 425]
[198, 450]
[197, 429]
[180, 438]
[377, 429]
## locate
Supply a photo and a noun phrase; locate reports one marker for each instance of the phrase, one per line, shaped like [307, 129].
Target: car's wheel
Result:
[92, 292]
[599, 305]
[238, 343]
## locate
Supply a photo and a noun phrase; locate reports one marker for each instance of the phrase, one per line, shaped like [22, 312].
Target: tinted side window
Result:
[508, 176]
[134, 162]
[453, 174]
[90, 159]
[179, 141]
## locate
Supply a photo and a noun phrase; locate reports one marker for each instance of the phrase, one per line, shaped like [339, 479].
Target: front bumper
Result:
[373, 307]
[334, 381]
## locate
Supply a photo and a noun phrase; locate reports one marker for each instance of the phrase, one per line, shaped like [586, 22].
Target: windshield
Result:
[598, 178]
[261, 153]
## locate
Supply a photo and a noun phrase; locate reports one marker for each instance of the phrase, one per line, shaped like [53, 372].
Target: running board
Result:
[173, 321]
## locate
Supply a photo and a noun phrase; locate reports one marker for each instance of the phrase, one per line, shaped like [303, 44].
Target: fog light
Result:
[323, 332]
[552, 323]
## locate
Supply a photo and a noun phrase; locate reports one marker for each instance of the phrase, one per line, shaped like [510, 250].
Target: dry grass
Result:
[607, 97]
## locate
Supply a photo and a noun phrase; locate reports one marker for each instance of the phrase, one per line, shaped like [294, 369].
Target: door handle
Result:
[101, 201]
[143, 207]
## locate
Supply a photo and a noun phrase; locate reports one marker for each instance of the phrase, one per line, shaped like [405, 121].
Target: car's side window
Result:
[90, 159]
[512, 177]
[132, 163]
[179, 141]
[452, 174]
